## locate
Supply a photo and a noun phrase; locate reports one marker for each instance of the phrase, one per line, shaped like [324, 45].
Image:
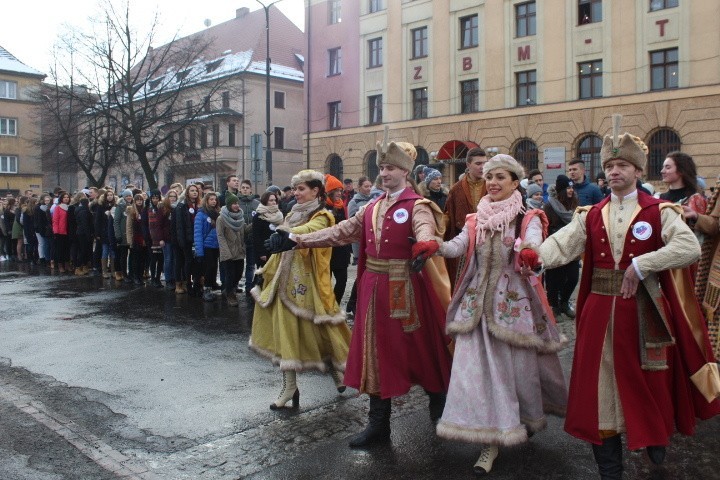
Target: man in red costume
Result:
[463, 199]
[398, 339]
[640, 334]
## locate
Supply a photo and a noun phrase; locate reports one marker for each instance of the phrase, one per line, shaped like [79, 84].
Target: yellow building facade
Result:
[20, 167]
[536, 79]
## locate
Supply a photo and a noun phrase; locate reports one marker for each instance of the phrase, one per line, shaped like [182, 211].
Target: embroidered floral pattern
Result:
[299, 290]
[468, 304]
[512, 305]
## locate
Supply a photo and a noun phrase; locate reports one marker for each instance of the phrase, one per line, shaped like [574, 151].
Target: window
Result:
[212, 66]
[8, 89]
[589, 152]
[180, 76]
[231, 135]
[662, 142]
[526, 87]
[203, 137]
[664, 69]
[335, 166]
[375, 53]
[206, 103]
[192, 138]
[334, 12]
[279, 137]
[334, 61]
[8, 164]
[181, 141]
[525, 19]
[526, 153]
[469, 31]
[216, 135]
[589, 11]
[375, 109]
[469, 96]
[419, 42]
[279, 99]
[419, 102]
[590, 79]
[225, 99]
[8, 126]
[334, 115]
[155, 83]
[371, 168]
[189, 108]
[374, 6]
[662, 4]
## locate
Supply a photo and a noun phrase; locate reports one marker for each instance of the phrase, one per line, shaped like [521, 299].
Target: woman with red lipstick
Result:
[506, 374]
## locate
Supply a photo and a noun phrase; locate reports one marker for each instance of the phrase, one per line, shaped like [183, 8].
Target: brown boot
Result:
[78, 271]
[180, 288]
[118, 276]
[232, 300]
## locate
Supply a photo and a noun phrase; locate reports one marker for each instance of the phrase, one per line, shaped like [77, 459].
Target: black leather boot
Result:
[378, 429]
[609, 458]
[656, 454]
[436, 405]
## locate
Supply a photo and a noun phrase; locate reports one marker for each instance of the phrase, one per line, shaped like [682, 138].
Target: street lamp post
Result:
[268, 133]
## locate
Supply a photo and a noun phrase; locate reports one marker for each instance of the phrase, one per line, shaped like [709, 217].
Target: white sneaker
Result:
[484, 464]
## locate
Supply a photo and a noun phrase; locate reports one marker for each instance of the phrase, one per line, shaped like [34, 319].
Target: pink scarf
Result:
[496, 216]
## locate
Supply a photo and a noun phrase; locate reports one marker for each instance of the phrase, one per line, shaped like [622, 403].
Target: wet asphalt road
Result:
[102, 381]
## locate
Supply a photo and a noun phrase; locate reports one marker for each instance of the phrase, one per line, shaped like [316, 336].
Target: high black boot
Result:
[656, 454]
[436, 405]
[609, 458]
[378, 429]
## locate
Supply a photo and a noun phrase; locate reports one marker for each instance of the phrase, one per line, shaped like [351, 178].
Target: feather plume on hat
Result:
[627, 147]
[393, 154]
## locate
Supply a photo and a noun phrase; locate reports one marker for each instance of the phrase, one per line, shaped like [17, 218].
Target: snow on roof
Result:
[9, 63]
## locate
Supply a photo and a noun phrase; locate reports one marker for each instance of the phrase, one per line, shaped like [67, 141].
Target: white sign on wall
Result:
[554, 161]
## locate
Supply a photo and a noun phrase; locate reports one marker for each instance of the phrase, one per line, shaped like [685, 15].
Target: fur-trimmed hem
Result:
[534, 425]
[524, 341]
[488, 436]
[297, 365]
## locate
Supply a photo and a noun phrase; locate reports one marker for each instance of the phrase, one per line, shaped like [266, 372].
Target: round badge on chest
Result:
[642, 230]
[401, 215]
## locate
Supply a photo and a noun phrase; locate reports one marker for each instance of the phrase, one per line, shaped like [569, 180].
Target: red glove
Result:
[529, 258]
[424, 249]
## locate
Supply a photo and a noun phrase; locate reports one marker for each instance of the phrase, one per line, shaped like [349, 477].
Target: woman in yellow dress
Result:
[297, 322]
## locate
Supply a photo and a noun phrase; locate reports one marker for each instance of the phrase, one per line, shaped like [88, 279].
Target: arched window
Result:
[334, 166]
[422, 156]
[588, 151]
[371, 168]
[526, 153]
[662, 142]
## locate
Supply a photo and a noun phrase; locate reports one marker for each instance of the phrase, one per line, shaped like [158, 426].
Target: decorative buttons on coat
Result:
[632, 240]
[602, 254]
[631, 255]
[620, 207]
[602, 240]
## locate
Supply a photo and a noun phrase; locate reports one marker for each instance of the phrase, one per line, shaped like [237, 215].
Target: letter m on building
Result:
[524, 53]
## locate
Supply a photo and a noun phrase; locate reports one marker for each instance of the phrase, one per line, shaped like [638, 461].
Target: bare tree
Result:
[136, 101]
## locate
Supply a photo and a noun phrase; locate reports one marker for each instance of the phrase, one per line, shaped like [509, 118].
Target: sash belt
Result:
[382, 265]
[606, 281]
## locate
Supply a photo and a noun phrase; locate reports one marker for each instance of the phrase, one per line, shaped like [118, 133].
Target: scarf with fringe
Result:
[270, 213]
[496, 216]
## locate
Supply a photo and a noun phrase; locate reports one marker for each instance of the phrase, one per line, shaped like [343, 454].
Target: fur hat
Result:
[532, 189]
[409, 148]
[395, 153]
[506, 162]
[230, 198]
[627, 147]
[430, 175]
[332, 183]
[305, 176]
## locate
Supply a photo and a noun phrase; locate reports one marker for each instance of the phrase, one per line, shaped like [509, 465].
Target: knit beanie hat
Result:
[155, 193]
[532, 189]
[332, 183]
[562, 182]
[230, 199]
[431, 174]
[126, 193]
[274, 189]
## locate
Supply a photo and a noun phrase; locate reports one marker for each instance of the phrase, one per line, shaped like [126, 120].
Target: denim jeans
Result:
[168, 267]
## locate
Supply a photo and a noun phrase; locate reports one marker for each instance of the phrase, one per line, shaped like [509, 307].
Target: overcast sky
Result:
[29, 28]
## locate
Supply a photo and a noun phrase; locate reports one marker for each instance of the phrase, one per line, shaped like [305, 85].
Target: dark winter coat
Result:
[120, 222]
[185, 222]
[100, 222]
[43, 221]
[83, 220]
[340, 257]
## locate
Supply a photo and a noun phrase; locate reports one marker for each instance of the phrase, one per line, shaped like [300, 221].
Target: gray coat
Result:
[232, 243]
